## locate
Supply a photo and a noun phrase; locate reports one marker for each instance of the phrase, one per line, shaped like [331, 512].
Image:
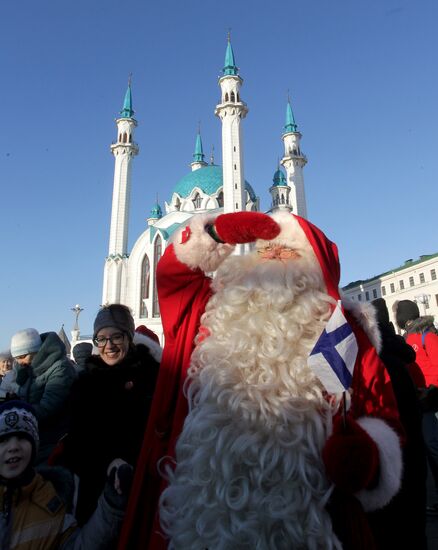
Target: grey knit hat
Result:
[25, 341]
[117, 316]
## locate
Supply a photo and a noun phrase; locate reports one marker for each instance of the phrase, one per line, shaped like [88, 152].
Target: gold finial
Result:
[288, 95]
[199, 127]
[129, 79]
[229, 34]
[212, 155]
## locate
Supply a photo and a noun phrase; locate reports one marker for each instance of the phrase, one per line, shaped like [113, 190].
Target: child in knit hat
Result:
[36, 506]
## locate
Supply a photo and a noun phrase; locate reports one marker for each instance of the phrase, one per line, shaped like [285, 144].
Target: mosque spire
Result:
[230, 67]
[127, 110]
[198, 155]
[290, 125]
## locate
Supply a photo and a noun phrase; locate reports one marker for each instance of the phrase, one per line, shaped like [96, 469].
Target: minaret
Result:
[294, 161]
[124, 150]
[231, 110]
[280, 192]
[198, 155]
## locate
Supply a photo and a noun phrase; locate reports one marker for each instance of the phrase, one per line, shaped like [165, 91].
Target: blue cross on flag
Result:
[334, 355]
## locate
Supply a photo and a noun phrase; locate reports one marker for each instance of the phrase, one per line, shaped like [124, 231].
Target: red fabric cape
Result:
[183, 294]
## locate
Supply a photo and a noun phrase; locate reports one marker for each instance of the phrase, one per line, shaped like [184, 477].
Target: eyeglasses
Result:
[115, 339]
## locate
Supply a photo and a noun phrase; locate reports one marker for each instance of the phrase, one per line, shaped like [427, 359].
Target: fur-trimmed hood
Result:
[366, 316]
[421, 324]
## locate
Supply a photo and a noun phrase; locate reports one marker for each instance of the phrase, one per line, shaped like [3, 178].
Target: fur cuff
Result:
[365, 315]
[194, 247]
[390, 458]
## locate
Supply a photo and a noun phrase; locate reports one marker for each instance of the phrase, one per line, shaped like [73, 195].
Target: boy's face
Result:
[15, 455]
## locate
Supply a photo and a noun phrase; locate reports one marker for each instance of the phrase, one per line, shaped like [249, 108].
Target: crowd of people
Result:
[276, 415]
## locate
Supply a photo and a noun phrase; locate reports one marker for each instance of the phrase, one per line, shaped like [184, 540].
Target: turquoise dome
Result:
[209, 179]
[279, 178]
[156, 211]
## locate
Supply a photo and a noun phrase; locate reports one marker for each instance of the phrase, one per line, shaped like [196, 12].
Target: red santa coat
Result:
[184, 291]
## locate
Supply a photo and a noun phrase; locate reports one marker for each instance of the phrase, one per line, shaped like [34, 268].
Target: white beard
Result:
[249, 472]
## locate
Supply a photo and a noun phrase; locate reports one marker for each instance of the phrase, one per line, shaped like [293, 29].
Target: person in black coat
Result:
[402, 523]
[110, 403]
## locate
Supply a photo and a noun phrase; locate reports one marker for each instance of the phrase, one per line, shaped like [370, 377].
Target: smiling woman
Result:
[110, 403]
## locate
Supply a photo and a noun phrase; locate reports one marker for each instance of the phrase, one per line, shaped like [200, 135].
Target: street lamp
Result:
[77, 310]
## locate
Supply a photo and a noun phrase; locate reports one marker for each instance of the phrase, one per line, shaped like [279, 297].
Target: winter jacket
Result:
[109, 409]
[38, 518]
[427, 350]
[46, 385]
[402, 523]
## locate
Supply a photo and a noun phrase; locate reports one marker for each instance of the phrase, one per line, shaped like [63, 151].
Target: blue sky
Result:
[363, 82]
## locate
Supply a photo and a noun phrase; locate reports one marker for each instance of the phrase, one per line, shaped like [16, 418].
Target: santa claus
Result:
[258, 442]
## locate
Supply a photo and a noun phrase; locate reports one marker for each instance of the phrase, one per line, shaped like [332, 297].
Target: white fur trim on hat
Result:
[154, 349]
[290, 236]
[391, 464]
[25, 341]
[199, 250]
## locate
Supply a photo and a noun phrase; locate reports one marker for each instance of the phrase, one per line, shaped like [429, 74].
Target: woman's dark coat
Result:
[109, 410]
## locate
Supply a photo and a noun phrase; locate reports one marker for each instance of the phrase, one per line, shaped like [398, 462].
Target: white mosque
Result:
[129, 276]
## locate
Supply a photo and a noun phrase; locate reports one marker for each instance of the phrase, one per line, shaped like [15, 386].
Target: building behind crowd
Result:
[415, 280]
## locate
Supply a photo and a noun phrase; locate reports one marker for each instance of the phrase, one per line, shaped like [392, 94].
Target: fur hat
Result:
[117, 316]
[25, 341]
[407, 310]
[18, 417]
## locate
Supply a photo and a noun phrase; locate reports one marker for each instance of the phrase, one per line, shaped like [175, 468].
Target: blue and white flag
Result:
[334, 355]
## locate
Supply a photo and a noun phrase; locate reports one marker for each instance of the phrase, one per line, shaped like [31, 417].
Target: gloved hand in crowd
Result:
[242, 227]
[118, 486]
[351, 457]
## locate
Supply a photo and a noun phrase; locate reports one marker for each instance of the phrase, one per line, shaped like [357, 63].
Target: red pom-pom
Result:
[351, 457]
[245, 227]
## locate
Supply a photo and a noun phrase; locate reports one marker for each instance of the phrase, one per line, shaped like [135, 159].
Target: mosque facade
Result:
[129, 276]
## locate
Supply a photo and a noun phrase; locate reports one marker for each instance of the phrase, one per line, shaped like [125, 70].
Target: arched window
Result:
[177, 204]
[282, 199]
[238, 97]
[232, 97]
[120, 137]
[220, 199]
[124, 137]
[197, 200]
[130, 138]
[144, 285]
[158, 248]
[226, 97]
